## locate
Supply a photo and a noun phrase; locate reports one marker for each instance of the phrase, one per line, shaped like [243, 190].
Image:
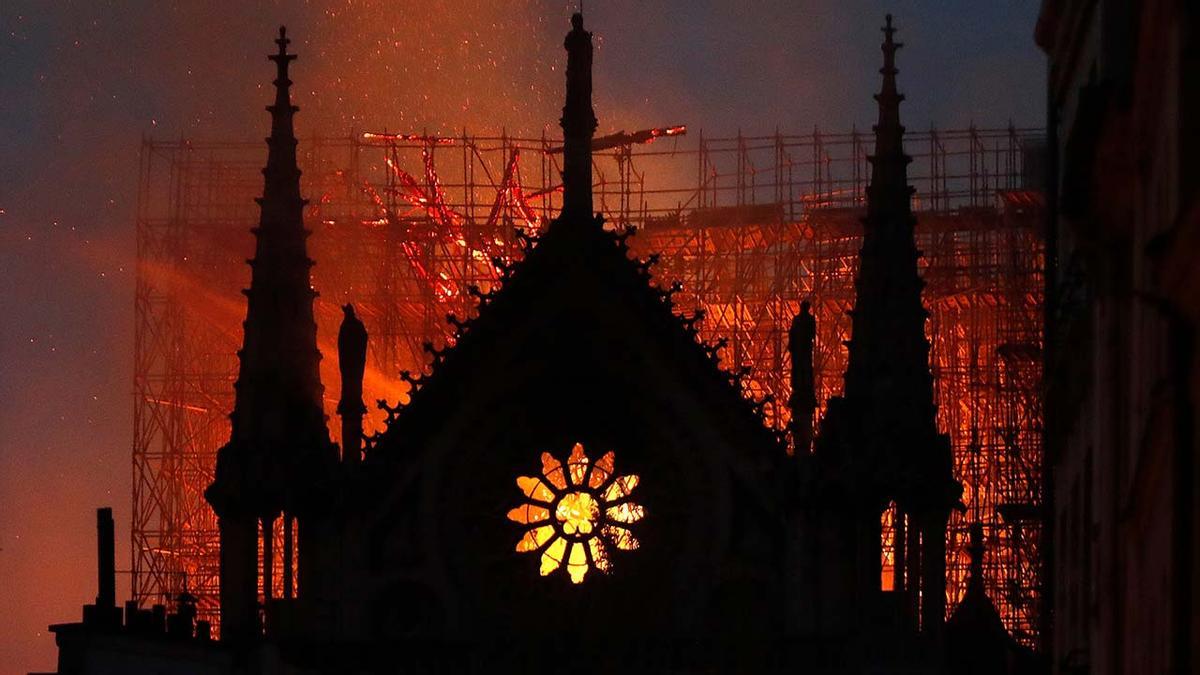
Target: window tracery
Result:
[576, 513]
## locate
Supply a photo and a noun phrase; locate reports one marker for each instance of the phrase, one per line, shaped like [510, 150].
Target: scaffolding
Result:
[407, 227]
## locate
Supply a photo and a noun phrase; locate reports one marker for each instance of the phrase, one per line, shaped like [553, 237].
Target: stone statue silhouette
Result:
[352, 362]
[801, 339]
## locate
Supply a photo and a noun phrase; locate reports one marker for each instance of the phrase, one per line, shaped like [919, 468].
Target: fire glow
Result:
[412, 230]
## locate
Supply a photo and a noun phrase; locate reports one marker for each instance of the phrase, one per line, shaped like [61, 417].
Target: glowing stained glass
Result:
[534, 488]
[534, 538]
[553, 556]
[575, 512]
[621, 537]
[620, 488]
[553, 471]
[602, 471]
[625, 513]
[599, 553]
[529, 514]
[578, 464]
[577, 565]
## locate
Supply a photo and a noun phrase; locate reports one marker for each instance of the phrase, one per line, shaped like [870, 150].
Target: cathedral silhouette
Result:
[577, 485]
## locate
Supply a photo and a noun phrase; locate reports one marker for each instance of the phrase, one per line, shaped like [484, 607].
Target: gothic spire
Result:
[889, 354]
[888, 383]
[278, 417]
[282, 187]
[889, 192]
[578, 122]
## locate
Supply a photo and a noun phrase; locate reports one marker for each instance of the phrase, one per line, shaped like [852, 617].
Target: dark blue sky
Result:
[81, 82]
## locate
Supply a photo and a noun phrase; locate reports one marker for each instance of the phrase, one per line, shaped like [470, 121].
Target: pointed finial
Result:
[889, 31]
[578, 121]
[889, 191]
[283, 41]
[282, 57]
[282, 110]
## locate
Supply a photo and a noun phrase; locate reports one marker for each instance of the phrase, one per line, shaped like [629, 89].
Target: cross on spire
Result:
[283, 40]
[890, 46]
[889, 191]
[284, 176]
[282, 58]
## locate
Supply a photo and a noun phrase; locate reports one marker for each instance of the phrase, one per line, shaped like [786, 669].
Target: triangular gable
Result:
[581, 270]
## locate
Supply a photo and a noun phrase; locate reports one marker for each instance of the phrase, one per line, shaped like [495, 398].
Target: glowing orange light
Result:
[576, 513]
[590, 507]
[383, 138]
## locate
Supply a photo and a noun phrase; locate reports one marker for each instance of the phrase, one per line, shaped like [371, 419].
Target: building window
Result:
[575, 513]
[890, 526]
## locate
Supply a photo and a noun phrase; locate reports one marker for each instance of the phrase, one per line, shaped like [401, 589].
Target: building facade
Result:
[576, 483]
[1123, 301]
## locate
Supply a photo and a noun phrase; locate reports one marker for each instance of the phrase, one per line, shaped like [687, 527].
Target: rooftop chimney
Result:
[106, 566]
[104, 613]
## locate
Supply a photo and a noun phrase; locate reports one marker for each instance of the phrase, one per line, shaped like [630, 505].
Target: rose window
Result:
[576, 513]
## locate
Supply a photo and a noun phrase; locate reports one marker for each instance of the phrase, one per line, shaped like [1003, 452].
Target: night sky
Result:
[82, 82]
